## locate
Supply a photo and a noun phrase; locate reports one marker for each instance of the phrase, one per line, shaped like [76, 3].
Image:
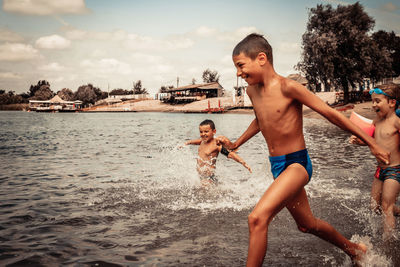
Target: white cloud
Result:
[53, 42]
[54, 66]
[389, 7]
[76, 34]
[238, 34]
[17, 52]
[289, 48]
[107, 66]
[136, 42]
[45, 7]
[204, 31]
[9, 36]
[10, 76]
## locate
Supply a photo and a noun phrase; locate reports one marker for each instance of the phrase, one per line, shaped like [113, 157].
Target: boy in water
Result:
[208, 152]
[277, 104]
[386, 186]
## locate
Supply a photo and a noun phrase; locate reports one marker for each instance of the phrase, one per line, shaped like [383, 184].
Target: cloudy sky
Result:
[112, 44]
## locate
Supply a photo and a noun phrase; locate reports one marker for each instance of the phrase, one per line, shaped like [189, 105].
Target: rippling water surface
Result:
[108, 189]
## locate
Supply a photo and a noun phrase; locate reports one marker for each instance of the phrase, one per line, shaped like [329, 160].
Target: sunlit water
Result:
[114, 188]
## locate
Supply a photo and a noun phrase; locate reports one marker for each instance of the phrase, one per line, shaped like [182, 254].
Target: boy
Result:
[386, 186]
[208, 152]
[277, 104]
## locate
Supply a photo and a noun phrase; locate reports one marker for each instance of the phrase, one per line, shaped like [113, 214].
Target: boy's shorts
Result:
[392, 172]
[280, 163]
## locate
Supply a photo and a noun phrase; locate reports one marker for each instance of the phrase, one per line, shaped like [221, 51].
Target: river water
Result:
[109, 189]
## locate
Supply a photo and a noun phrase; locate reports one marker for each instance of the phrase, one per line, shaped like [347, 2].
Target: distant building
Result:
[298, 78]
[55, 104]
[193, 92]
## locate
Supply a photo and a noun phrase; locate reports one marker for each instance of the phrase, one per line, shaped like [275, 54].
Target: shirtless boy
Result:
[277, 104]
[208, 152]
[386, 186]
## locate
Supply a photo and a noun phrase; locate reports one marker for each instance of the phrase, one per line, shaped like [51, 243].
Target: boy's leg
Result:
[307, 223]
[288, 184]
[390, 192]
[376, 193]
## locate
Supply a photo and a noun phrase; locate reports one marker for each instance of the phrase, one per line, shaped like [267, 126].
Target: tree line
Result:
[88, 93]
[339, 49]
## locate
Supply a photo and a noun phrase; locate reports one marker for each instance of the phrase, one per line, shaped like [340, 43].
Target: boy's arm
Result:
[234, 156]
[304, 96]
[193, 142]
[252, 130]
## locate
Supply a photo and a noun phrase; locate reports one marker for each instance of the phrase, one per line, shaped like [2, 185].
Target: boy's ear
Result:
[392, 102]
[262, 58]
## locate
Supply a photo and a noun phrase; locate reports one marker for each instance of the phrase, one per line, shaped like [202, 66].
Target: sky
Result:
[112, 44]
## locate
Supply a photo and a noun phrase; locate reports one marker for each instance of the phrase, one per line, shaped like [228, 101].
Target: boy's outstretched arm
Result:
[234, 156]
[304, 96]
[252, 130]
[193, 142]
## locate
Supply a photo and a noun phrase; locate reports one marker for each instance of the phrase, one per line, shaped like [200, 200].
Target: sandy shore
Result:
[364, 109]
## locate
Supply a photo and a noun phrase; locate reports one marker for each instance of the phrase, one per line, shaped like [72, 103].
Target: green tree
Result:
[337, 49]
[86, 94]
[137, 88]
[44, 93]
[210, 76]
[66, 94]
[40, 84]
[390, 42]
[163, 89]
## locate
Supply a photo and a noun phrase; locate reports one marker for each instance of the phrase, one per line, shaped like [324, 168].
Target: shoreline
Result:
[364, 108]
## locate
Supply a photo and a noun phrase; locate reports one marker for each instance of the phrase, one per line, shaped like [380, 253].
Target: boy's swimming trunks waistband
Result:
[280, 163]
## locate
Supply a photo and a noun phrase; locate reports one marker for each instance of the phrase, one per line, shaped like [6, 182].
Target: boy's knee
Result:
[308, 228]
[256, 221]
[387, 207]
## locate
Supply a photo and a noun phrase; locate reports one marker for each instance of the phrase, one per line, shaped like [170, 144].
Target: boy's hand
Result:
[223, 140]
[381, 155]
[356, 141]
[247, 167]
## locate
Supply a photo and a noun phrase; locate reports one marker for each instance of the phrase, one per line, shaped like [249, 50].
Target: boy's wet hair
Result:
[252, 45]
[208, 122]
[392, 89]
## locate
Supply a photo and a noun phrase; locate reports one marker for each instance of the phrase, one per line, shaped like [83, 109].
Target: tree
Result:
[41, 84]
[66, 94]
[337, 49]
[391, 43]
[86, 94]
[137, 88]
[210, 76]
[163, 89]
[44, 93]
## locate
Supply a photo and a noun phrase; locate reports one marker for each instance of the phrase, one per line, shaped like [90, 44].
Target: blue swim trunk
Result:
[280, 163]
[392, 172]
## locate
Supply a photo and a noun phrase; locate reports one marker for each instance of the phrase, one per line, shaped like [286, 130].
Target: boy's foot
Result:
[360, 254]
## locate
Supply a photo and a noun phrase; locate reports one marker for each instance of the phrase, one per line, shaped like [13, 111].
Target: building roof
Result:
[298, 78]
[204, 86]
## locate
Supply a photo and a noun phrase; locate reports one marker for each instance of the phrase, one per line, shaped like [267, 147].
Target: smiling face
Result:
[206, 133]
[382, 105]
[248, 69]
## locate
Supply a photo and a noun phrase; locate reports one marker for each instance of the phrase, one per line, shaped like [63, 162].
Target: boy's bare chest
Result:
[208, 150]
[385, 130]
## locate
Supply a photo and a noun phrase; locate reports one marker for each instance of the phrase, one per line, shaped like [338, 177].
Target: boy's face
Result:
[206, 133]
[382, 105]
[250, 70]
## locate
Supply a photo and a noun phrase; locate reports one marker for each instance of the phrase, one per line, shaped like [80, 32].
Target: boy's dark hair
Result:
[392, 89]
[208, 122]
[252, 45]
